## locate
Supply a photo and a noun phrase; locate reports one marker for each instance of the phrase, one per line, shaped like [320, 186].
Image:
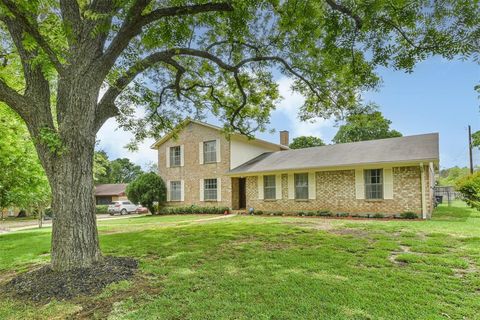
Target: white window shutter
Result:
[200, 152]
[168, 190]
[388, 183]
[278, 186]
[359, 184]
[312, 186]
[182, 190]
[182, 155]
[201, 190]
[167, 156]
[219, 189]
[260, 187]
[291, 186]
[217, 148]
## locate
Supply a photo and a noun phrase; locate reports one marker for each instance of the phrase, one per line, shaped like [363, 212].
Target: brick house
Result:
[200, 166]
[107, 193]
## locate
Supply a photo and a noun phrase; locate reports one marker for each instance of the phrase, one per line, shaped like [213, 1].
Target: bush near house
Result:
[193, 210]
[327, 213]
[101, 208]
[469, 187]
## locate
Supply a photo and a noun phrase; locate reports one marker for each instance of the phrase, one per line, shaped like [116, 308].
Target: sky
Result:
[438, 96]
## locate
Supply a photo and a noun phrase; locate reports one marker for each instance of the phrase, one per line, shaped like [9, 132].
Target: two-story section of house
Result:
[388, 176]
[194, 163]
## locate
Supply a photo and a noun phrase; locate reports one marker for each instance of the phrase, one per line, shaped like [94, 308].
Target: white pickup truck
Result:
[122, 207]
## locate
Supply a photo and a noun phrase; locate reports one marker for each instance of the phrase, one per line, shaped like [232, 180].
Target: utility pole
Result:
[470, 148]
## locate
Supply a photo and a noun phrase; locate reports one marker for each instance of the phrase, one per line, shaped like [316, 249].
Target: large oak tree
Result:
[172, 58]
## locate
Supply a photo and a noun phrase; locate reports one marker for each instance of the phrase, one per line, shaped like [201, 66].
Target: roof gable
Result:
[188, 121]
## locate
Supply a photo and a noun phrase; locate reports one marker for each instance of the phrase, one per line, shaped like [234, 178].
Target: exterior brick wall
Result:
[335, 191]
[193, 171]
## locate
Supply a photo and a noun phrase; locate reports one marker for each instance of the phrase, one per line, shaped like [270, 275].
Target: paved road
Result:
[10, 226]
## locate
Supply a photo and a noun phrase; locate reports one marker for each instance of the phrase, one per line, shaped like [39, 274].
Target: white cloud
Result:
[289, 108]
[112, 139]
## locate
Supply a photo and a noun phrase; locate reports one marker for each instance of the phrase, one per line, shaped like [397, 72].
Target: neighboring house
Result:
[107, 193]
[390, 176]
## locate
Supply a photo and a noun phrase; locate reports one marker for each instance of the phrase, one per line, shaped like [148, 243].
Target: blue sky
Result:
[437, 97]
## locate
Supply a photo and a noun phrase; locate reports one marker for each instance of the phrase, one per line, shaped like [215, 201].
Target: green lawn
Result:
[274, 268]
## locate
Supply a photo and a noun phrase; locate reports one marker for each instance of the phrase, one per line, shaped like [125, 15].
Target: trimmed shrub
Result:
[257, 212]
[342, 214]
[101, 208]
[324, 213]
[408, 215]
[378, 215]
[193, 210]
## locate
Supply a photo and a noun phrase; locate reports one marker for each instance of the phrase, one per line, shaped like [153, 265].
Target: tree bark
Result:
[74, 231]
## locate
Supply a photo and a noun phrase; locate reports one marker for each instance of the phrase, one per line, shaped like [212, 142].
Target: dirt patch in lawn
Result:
[45, 284]
[350, 232]
[394, 254]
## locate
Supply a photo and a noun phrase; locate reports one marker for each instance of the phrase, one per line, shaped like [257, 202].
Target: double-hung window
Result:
[210, 189]
[374, 184]
[269, 191]
[175, 190]
[175, 156]
[209, 151]
[301, 186]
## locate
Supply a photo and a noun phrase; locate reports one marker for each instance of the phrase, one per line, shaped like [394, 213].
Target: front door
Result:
[242, 198]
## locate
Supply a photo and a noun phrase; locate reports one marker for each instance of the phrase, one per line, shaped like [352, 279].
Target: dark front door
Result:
[242, 198]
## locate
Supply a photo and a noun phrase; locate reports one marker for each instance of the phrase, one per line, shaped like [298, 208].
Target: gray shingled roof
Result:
[113, 189]
[403, 149]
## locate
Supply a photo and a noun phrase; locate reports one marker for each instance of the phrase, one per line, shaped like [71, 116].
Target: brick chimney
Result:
[284, 140]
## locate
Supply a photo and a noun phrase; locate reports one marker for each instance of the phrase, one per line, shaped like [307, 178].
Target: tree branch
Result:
[71, 19]
[108, 99]
[135, 21]
[347, 11]
[33, 31]
[13, 99]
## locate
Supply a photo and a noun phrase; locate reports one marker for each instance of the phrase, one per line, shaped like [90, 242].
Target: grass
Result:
[273, 268]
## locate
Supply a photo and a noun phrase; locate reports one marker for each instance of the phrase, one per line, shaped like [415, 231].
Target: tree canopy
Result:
[306, 142]
[23, 182]
[363, 126]
[147, 189]
[120, 170]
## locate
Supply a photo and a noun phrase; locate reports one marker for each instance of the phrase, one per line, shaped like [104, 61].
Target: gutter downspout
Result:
[422, 184]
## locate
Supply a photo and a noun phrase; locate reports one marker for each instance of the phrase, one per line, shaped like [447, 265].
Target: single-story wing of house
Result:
[200, 166]
[107, 193]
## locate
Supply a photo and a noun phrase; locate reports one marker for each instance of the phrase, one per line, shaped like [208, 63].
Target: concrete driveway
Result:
[11, 226]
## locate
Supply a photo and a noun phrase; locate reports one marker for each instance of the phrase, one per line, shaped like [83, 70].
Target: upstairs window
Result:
[210, 189]
[269, 191]
[301, 186]
[175, 190]
[175, 156]
[209, 151]
[374, 184]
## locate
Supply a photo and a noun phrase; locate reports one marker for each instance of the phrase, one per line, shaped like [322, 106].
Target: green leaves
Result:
[23, 182]
[51, 139]
[306, 142]
[368, 125]
[147, 190]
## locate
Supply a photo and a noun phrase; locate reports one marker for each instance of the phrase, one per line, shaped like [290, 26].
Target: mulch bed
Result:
[45, 284]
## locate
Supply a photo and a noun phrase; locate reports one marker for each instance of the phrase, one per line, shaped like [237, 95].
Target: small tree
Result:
[147, 189]
[469, 187]
[306, 142]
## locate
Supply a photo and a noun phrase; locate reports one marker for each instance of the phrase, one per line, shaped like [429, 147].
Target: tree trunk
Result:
[74, 231]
